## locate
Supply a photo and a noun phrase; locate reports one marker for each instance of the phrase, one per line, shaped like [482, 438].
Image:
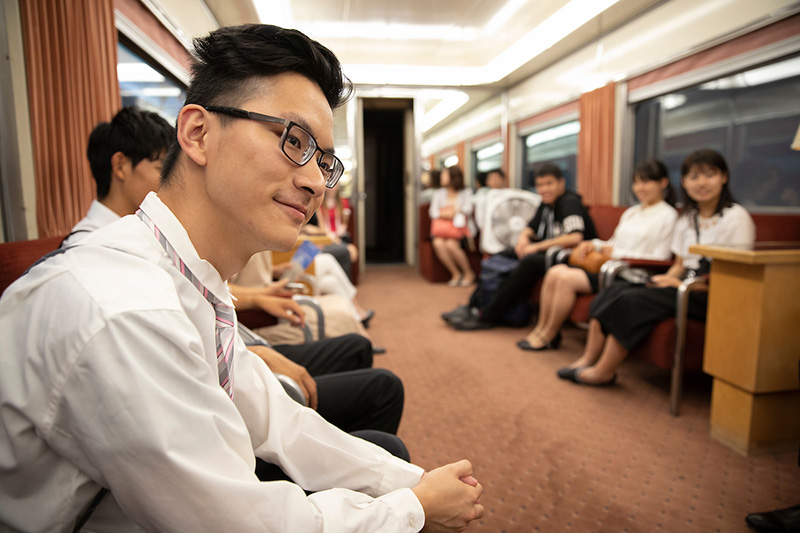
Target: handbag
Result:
[445, 229]
[590, 263]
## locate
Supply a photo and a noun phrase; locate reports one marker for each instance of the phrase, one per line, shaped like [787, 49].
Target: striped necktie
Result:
[224, 330]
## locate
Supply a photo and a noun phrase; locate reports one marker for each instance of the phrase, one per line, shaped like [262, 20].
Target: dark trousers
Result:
[342, 255]
[367, 399]
[516, 287]
[326, 356]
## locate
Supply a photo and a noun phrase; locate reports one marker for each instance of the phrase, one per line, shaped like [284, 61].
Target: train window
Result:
[487, 158]
[557, 145]
[146, 86]
[448, 161]
[750, 118]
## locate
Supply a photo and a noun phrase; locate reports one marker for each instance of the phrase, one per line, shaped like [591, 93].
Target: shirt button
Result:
[412, 522]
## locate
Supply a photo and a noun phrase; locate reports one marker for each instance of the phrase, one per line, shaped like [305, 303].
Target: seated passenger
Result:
[143, 392]
[255, 287]
[334, 216]
[331, 221]
[430, 184]
[561, 220]
[451, 206]
[625, 313]
[644, 232]
[125, 156]
[495, 179]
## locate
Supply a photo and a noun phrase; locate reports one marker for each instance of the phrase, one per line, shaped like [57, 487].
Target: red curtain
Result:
[71, 62]
[596, 146]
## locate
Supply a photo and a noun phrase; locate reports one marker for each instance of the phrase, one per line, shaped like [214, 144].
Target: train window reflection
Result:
[557, 145]
[750, 118]
[142, 84]
[487, 158]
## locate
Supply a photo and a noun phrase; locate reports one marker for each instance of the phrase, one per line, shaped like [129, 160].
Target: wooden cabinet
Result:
[752, 348]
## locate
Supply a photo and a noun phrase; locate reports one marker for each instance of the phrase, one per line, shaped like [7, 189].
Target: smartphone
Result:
[296, 287]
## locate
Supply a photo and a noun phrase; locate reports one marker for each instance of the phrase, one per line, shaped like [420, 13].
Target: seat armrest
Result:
[609, 270]
[687, 286]
[555, 255]
[293, 389]
[654, 266]
[313, 303]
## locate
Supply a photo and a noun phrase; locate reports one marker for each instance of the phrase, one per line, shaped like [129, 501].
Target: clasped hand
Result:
[450, 497]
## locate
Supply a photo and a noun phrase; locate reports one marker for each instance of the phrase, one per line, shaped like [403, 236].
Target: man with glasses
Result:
[125, 155]
[122, 367]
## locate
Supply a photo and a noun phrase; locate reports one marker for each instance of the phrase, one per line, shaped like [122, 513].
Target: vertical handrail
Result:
[681, 316]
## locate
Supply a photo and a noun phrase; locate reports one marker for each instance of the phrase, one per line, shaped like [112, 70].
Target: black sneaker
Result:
[459, 313]
[471, 323]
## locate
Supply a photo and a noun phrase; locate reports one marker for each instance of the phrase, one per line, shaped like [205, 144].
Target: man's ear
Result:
[118, 163]
[192, 132]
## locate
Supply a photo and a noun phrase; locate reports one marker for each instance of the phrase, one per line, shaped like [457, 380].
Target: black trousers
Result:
[351, 395]
[516, 287]
[341, 254]
[326, 356]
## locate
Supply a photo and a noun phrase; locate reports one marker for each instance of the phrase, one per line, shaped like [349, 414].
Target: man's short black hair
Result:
[136, 133]
[549, 169]
[229, 62]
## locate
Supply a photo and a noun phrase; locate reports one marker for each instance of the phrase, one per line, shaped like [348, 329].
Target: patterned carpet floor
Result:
[554, 456]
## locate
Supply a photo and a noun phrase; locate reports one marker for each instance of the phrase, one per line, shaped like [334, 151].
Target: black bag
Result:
[494, 270]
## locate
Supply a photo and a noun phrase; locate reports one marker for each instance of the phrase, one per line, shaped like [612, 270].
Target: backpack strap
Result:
[84, 516]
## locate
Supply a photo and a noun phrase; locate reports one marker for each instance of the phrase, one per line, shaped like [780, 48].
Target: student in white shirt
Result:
[625, 313]
[644, 232]
[125, 156]
[112, 376]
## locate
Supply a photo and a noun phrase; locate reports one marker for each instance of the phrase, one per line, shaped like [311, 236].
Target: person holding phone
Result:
[625, 313]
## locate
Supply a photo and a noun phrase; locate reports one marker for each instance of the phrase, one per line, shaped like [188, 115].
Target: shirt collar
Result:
[175, 233]
[102, 214]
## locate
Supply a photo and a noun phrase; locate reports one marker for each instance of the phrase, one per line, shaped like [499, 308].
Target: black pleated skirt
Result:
[630, 312]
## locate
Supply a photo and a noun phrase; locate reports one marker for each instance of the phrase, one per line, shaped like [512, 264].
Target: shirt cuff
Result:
[407, 508]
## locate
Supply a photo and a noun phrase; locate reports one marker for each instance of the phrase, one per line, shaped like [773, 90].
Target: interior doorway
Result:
[384, 174]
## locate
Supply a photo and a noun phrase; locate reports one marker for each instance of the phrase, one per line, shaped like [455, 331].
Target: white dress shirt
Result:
[643, 233]
[109, 378]
[97, 217]
[732, 228]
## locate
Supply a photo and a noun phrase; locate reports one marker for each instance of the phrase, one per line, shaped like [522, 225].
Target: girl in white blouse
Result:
[451, 207]
[644, 232]
[624, 314]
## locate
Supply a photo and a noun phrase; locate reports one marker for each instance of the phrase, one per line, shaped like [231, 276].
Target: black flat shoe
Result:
[367, 317]
[780, 520]
[575, 377]
[568, 373]
[552, 345]
[471, 323]
[378, 350]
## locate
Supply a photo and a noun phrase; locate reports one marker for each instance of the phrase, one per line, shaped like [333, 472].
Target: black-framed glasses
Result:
[297, 143]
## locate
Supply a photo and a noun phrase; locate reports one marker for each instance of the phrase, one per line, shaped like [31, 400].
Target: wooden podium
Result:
[753, 348]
